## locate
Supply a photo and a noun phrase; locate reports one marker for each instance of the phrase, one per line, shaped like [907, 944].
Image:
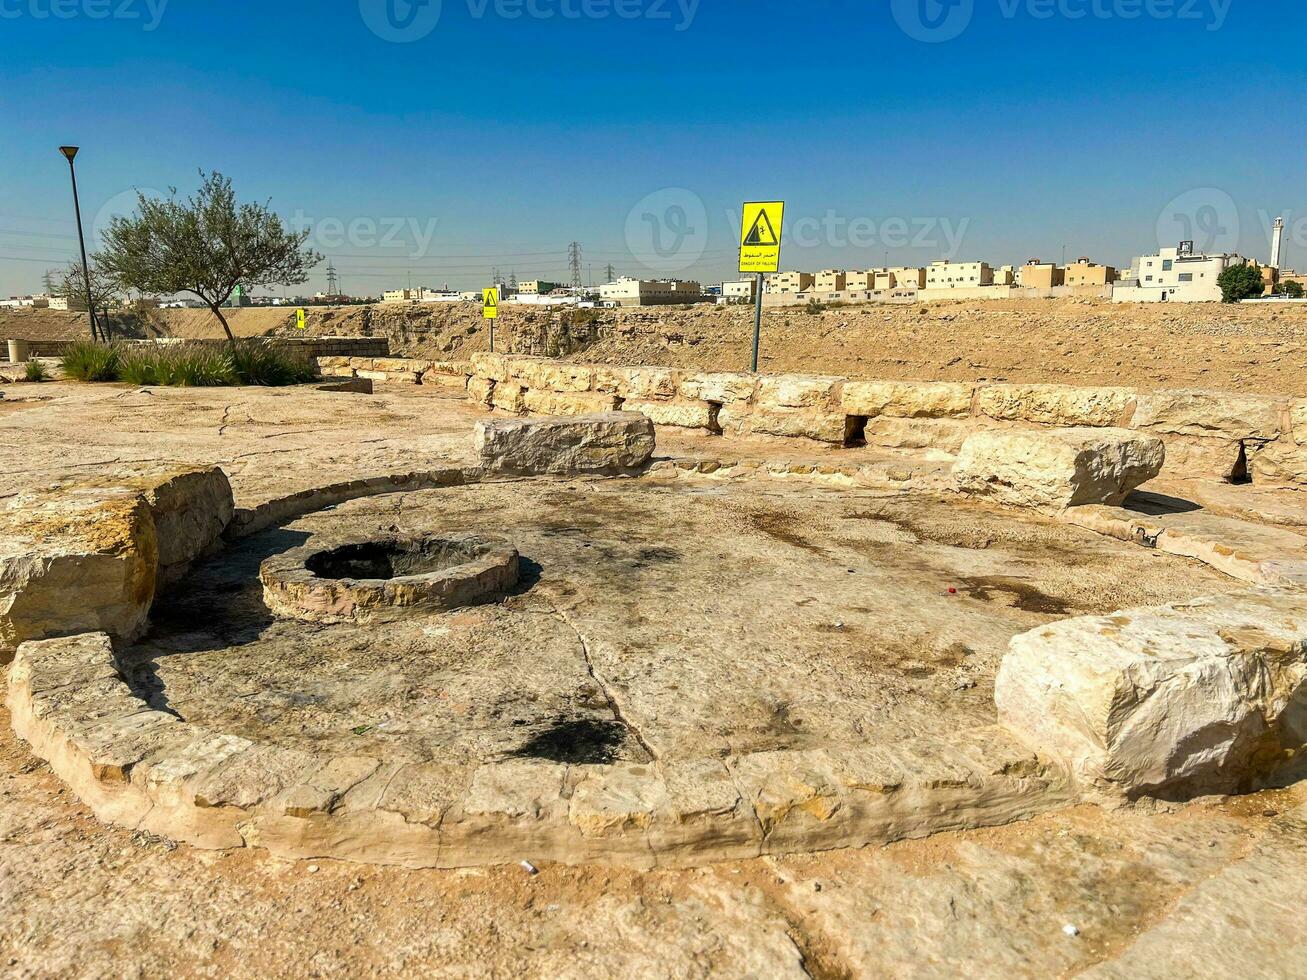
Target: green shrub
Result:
[258, 363]
[86, 360]
[35, 371]
[1241, 282]
[183, 365]
[189, 365]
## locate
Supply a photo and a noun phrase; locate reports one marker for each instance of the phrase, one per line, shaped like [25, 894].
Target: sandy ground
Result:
[1242, 348]
[1210, 889]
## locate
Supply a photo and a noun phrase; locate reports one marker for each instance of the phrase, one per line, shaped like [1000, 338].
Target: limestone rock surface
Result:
[1174, 701]
[608, 442]
[1057, 468]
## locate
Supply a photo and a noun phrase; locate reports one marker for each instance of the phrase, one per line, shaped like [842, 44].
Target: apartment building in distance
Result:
[1041, 275]
[831, 281]
[790, 282]
[1177, 275]
[401, 295]
[1083, 274]
[536, 287]
[959, 275]
[650, 292]
[860, 281]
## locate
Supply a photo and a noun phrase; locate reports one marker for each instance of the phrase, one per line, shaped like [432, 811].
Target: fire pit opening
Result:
[395, 558]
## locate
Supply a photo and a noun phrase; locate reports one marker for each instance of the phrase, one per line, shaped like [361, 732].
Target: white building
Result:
[1177, 275]
[959, 275]
[650, 292]
[740, 289]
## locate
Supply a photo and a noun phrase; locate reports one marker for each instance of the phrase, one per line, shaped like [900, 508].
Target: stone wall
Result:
[1214, 434]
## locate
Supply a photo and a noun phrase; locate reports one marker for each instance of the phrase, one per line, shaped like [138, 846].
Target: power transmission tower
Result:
[609, 272]
[495, 278]
[512, 281]
[48, 280]
[574, 261]
[331, 280]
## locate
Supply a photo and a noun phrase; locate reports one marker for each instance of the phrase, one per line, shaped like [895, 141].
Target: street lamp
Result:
[70, 152]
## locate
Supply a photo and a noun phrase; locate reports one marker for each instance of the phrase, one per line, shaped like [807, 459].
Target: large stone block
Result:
[75, 560]
[945, 435]
[611, 442]
[1173, 701]
[191, 509]
[796, 391]
[1209, 413]
[1057, 468]
[481, 391]
[552, 375]
[1050, 404]
[907, 399]
[539, 402]
[817, 423]
[678, 412]
[508, 397]
[725, 388]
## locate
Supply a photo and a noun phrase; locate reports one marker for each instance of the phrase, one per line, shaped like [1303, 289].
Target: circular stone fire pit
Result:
[380, 578]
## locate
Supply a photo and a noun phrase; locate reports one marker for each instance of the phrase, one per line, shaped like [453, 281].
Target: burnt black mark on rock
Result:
[577, 741]
[1024, 596]
[781, 528]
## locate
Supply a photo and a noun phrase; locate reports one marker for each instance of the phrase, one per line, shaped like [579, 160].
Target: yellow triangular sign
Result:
[762, 232]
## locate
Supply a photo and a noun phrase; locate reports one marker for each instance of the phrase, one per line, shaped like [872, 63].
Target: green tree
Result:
[1292, 288]
[207, 245]
[1241, 282]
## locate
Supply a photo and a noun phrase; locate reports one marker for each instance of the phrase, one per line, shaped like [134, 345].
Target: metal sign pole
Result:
[757, 322]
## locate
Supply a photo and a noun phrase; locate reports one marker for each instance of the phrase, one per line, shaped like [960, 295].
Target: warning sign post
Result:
[760, 253]
[490, 311]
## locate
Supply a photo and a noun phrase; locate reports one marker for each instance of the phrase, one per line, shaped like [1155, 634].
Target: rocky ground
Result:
[1242, 348]
[1212, 888]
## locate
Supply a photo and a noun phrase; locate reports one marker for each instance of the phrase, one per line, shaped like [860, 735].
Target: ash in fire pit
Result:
[386, 577]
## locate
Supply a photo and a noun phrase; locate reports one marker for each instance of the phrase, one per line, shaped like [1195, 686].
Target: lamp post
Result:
[70, 152]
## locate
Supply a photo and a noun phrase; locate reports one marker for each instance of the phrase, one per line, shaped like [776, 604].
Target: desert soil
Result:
[1090, 342]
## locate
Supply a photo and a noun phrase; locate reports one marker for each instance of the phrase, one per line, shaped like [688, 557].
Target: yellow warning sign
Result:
[300, 324]
[490, 304]
[760, 237]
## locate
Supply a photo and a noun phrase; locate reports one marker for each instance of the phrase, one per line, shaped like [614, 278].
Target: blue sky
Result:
[505, 129]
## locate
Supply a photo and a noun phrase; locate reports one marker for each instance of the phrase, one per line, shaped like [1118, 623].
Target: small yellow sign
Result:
[760, 237]
[490, 304]
[300, 323]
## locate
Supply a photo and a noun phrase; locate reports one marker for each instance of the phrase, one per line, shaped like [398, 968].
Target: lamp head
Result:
[69, 152]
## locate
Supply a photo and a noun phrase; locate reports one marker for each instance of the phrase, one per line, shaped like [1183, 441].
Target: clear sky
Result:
[445, 139]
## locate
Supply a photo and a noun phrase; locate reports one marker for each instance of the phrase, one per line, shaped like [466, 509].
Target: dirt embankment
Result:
[1242, 348]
